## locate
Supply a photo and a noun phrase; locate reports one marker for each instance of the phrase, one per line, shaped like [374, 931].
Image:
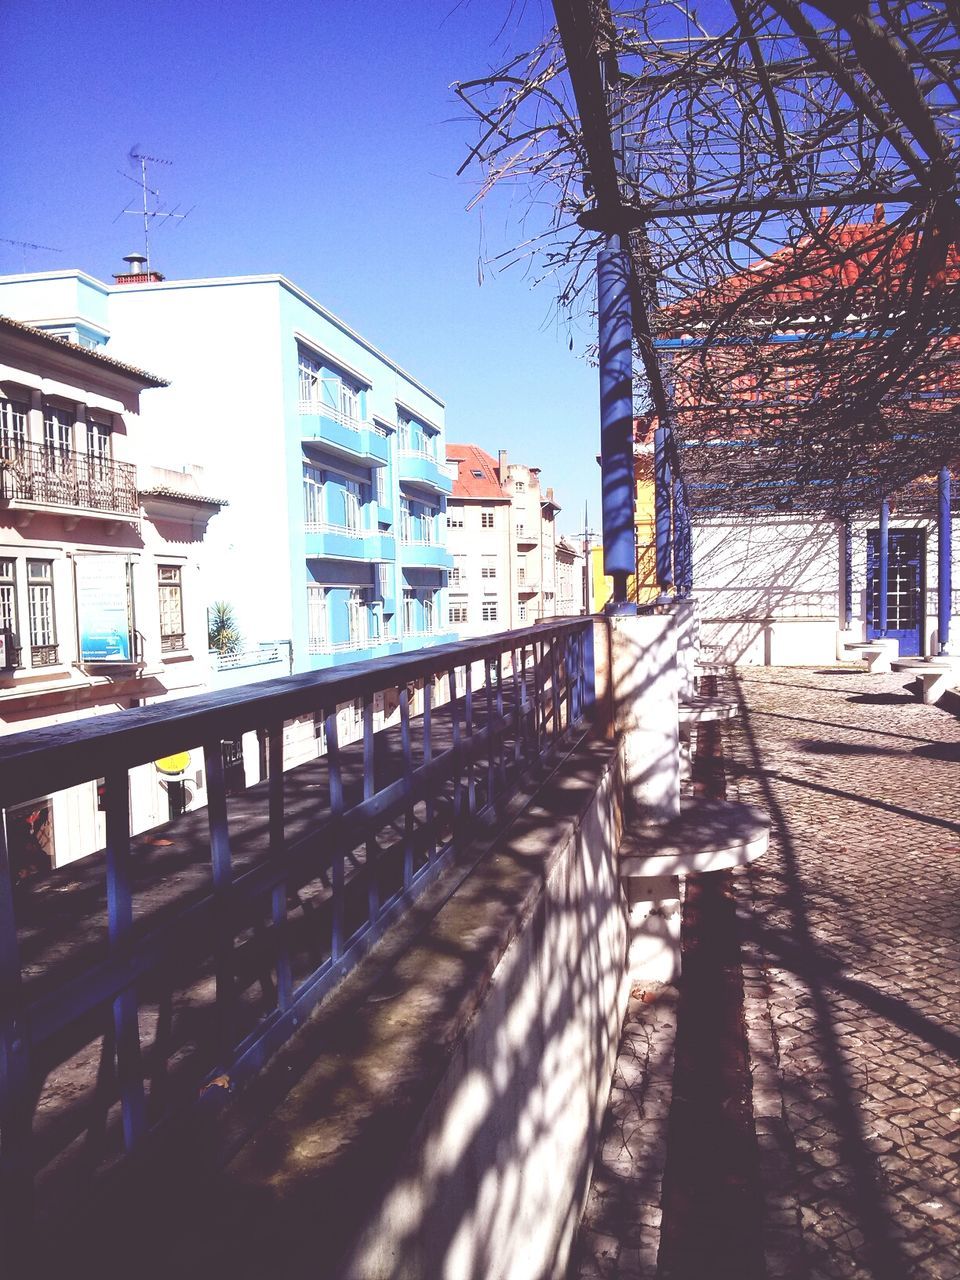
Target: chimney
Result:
[502, 464]
[550, 493]
[137, 272]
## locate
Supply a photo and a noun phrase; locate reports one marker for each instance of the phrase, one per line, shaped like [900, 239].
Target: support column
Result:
[616, 419]
[683, 543]
[884, 569]
[944, 560]
[661, 494]
[847, 574]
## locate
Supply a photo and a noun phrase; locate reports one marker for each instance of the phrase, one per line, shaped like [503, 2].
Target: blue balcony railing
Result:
[136, 978]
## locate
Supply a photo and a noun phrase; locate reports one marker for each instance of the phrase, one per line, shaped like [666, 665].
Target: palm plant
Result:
[223, 634]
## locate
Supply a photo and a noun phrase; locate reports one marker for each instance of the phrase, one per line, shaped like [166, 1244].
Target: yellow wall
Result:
[645, 591]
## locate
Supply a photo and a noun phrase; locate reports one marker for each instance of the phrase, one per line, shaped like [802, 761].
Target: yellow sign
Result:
[173, 766]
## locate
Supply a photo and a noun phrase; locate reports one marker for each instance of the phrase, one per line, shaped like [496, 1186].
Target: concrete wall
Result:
[495, 1178]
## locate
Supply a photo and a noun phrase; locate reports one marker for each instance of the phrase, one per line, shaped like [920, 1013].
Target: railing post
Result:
[222, 871]
[120, 922]
[408, 818]
[335, 779]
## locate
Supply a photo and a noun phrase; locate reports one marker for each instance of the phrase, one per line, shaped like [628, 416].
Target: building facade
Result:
[102, 603]
[503, 539]
[331, 455]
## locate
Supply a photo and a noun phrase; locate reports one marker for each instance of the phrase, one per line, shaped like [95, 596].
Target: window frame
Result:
[171, 589]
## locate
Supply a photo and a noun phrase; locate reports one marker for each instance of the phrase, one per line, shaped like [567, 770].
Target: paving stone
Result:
[853, 937]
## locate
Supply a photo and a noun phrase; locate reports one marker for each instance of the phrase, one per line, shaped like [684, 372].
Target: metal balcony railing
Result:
[187, 954]
[317, 408]
[66, 478]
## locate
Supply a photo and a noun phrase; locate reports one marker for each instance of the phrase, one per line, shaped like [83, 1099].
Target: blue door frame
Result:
[905, 588]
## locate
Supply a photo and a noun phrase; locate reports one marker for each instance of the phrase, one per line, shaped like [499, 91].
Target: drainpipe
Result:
[616, 419]
[884, 563]
[944, 560]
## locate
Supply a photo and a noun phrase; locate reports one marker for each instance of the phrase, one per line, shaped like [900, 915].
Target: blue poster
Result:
[103, 608]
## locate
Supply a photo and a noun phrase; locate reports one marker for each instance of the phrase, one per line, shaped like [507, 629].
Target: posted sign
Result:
[103, 612]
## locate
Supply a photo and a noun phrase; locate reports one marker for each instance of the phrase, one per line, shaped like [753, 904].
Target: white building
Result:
[102, 603]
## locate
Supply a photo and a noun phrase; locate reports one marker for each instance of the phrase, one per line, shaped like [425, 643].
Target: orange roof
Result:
[807, 271]
[477, 473]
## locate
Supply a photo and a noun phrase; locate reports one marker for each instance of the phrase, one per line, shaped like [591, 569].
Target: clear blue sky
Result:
[320, 141]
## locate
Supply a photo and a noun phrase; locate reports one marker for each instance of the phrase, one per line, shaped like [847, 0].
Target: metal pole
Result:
[616, 418]
[884, 563]
[944, 560]
[661, 494]
[683, 550]
[847, 575]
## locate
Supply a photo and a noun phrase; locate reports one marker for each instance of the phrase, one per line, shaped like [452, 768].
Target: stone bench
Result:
[936, 676]
[707, 835]
[698, 710]
[877, 654]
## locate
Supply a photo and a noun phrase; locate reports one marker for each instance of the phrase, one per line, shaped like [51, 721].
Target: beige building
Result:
[571, 583]
[102, 606]
[502, 535]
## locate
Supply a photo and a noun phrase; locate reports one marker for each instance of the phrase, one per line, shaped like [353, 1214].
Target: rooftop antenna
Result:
[24, 245]
[148, 214]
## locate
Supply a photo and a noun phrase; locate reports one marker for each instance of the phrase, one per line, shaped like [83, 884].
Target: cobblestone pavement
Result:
[620, 1230]
[852, 971]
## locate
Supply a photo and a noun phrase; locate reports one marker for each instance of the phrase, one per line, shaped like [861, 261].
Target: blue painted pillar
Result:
[884, 558]
[682, 542]
[944, 560]
[847, 575]
[662, 485]
[616, 418]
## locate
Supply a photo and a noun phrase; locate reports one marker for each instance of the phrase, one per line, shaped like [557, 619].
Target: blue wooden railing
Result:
[158, 965]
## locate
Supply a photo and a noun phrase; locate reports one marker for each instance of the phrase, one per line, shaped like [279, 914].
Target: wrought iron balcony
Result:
[37, 475]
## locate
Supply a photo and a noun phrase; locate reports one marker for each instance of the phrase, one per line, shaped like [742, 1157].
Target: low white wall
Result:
[752, 642]
[496, 1177]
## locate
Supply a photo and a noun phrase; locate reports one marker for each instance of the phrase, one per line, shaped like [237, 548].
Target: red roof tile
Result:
[471, 460]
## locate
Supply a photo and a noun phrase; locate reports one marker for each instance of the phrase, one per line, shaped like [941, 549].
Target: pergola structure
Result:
[771, 203]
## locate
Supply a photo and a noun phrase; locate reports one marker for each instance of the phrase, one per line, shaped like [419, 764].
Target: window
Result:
[351, 506]
[311, 379]
[403, 435]
[98, 449]
[13, 428]
[312, 495]
[488, 612]
[519, 486]
[428, 612]
[458, 572]
[522, 611]
[521, 572]
[349, 402]
[406, 520]
[57, 435]
[171, 607]
[457, 614]
[454, 519]
[486, 518]
[316, 619]
[488, 568]
[477, 474]
[356, 619]
[409, 610]
[43, 632]
[375, 620]
[10, 653]
[380, 485]
[426, 525]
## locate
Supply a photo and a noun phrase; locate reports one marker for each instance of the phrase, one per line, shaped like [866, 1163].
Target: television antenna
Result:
[24, 245]
[149, 214]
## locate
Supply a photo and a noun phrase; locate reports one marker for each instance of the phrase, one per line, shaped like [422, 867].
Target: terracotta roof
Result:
[804, 273]
[182, 495]
[83, 353]
[471, 460]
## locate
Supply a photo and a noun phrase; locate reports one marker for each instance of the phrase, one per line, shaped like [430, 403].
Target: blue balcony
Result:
[424, 472]
[331, 430]
[334, 542]
[425, 555]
